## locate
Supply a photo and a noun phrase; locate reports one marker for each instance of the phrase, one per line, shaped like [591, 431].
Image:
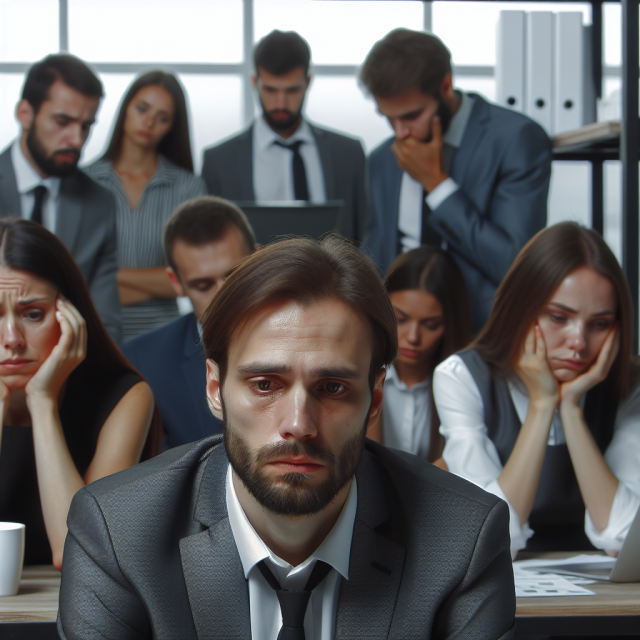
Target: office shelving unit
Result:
[615, 145]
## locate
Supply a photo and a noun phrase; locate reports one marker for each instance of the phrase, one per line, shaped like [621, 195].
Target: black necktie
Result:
[293, 604]
[300, 188]
[36, 213]
[428, 235]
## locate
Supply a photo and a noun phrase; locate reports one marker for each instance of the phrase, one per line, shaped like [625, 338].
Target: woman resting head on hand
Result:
[550, 418]
[428, 295]
[74, 410]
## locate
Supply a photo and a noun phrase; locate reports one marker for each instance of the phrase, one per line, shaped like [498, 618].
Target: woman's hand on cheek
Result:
[572, 391]
[533, 369]
[5, 400]
[65, 356]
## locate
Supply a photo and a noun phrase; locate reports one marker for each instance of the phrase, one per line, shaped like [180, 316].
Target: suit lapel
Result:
[69, 218]
[9, 197]
[217, 589]
[245, 160]
[471, 140]
[367, 600]
[194, 369]
[324, 151]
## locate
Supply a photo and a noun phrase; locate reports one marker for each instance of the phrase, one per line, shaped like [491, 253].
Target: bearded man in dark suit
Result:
[291, 524]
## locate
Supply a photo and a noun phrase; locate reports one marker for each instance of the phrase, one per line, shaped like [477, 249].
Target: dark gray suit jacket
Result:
[172, 360]
[150, 554]
[503, 168]
[228, 171]
[86, 224]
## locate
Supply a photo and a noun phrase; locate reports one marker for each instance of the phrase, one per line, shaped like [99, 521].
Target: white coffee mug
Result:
[11, 557]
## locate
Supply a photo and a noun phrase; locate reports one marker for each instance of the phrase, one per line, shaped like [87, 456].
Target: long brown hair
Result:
[176, 144]
[28, 246]
[538, 270]
[434, 270]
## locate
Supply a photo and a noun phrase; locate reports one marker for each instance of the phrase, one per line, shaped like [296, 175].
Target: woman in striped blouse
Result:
[149, 168]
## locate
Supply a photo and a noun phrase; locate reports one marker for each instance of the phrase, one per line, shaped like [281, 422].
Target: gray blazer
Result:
[228, 171]
[503, 168]
[86, 224]
[150, 554]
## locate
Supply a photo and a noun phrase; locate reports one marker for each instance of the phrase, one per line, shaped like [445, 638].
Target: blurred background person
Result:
[74, 410]
[149, 168]
[204, 240]
[282, 156]
[459, 172]
[428, 296]
[40, 179]
[544, 409]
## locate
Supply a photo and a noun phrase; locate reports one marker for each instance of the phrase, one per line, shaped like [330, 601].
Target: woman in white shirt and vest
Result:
[544, 409]
[428, 295]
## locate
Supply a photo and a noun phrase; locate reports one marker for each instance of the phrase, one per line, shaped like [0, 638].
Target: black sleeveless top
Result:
[557, 516]
[90, 397]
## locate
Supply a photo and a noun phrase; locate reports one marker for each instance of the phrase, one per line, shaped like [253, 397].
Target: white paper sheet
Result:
[549, 585]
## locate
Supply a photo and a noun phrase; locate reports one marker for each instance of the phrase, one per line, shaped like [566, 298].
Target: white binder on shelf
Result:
[569, 90]
[510, 65]
[539, 68]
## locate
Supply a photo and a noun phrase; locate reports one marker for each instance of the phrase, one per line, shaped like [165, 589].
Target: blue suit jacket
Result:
[173, 362]
[502, 168]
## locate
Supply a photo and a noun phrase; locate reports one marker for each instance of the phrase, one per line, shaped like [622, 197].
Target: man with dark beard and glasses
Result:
[282, 156]
[40, 179]
[291, 525]
[460, 172]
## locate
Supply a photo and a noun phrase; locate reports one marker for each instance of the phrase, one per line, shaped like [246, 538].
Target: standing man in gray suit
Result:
[282, 156]
[291, 524]
[460, 172]
[40, 179]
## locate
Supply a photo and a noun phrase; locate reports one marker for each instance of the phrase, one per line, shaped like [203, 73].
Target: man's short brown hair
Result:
[202, 220]
[304, 271]
[404, 60]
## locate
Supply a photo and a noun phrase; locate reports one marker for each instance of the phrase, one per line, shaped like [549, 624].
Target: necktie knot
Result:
[292, 146]
[39, 193]
[293, 604]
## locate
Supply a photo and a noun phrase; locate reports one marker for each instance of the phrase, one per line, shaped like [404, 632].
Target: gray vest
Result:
[557, 517]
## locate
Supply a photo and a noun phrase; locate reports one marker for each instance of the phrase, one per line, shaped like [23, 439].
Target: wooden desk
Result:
[613, 611]
[32, 613]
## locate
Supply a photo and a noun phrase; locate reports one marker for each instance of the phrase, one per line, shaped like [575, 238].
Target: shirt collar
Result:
[266, 136]
[394, 378]
[453, 136]
[27, 178]
[334, 550]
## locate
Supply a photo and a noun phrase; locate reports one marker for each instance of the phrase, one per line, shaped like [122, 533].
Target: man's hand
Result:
[422, 160]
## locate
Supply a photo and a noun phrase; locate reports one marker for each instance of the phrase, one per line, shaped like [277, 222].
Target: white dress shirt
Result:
[273, 165]
[410, 204]
[470, 453]
[266, 618]
[406, 415]
[27, 179]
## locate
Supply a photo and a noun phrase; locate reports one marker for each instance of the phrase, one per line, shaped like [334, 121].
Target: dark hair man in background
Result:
[204, 239]
[40, 179]
[281, 156]
[460, 172]
[290, 525]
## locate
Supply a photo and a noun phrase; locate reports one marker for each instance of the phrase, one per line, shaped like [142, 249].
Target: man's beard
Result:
[48, 164]
[286, 494]
[445, 115]
[282, 125]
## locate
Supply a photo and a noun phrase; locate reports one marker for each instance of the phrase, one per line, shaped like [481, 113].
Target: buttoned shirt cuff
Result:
[519, 534]
[441, 193]
[623, 510]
